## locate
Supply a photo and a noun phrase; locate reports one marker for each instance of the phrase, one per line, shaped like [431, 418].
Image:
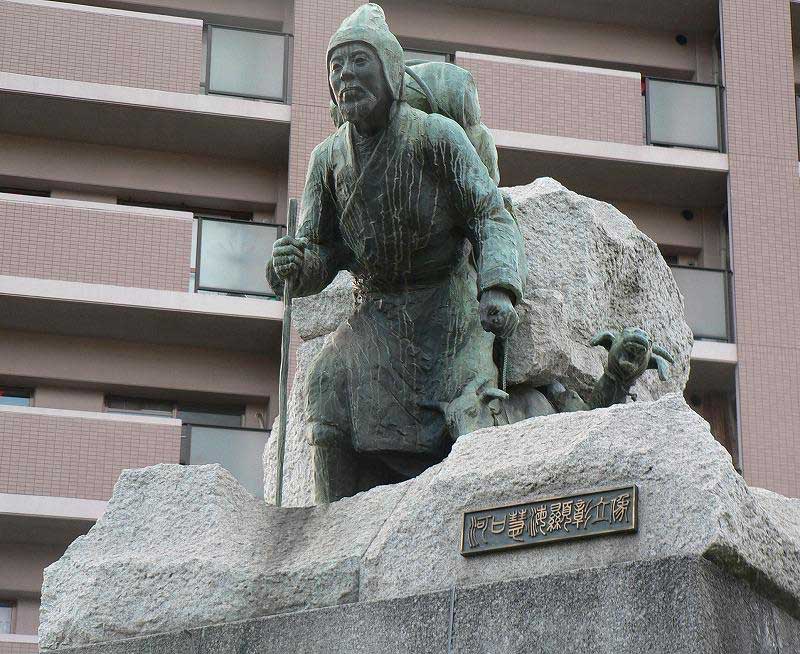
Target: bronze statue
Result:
[400, 197]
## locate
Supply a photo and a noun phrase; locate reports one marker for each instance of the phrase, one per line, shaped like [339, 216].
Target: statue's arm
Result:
[492, 231]
[318, 231]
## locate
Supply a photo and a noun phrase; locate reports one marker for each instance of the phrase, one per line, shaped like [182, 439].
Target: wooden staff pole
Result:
[283, 383]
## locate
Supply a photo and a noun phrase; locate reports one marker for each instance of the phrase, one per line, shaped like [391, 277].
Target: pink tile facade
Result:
[557, 100]
[18, 648]
[765, 237]
[58, 454]
[78, 242]
[65, 42]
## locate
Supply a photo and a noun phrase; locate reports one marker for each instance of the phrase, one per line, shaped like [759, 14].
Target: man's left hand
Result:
[497, 312]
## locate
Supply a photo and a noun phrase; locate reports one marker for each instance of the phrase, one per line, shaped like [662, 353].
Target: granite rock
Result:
[679, 605]
[320, 314]
[182, 547]
[692, 501]
[589, 269]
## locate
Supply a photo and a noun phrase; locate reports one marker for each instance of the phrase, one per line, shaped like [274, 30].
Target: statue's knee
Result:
[322, 435]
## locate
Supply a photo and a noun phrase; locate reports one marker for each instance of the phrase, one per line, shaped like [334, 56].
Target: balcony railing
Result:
[683, 114]
[247, 63]
[231, 254]
[237, 449]
[707, 301]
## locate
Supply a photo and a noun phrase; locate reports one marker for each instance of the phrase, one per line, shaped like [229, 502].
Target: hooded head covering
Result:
[367, 24]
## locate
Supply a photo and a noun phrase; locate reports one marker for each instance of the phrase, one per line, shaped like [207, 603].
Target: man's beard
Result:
[355, 111]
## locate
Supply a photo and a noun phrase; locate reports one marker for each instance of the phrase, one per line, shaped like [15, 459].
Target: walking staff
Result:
[283, 383]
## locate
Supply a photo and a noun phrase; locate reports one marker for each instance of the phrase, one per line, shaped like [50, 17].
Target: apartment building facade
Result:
[149, 149]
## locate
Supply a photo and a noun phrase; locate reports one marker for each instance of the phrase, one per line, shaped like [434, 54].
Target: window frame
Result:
[449, 56]
[727, 280]
[209, 47]
[12, 605]
[198, 260]
[720, 89]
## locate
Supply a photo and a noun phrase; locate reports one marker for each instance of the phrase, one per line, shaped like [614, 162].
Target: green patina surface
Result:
[405, 196]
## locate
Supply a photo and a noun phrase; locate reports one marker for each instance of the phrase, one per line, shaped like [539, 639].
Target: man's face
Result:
[357, 80]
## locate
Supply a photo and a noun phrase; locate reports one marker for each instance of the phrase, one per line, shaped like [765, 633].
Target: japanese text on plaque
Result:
[548, 520]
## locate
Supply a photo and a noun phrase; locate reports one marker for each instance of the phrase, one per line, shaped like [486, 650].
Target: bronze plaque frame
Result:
[526, 512]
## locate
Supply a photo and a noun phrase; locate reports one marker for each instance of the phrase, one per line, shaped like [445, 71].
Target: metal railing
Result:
[247, 63]
[707, 301]
[239, 450]
[231, 255]
[683, 114]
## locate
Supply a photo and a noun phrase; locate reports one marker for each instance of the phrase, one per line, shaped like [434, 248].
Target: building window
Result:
[418, 56]
[229, 256]
[6, 617]
[246, 63]
[683, 114]
[11, 396]
[211, 433]
[210, 414]
[140, 406]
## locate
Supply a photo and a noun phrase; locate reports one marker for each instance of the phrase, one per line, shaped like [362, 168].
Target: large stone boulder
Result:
[181, 547]
[589, 269]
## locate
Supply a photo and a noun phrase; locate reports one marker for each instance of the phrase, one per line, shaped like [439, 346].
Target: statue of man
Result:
[401, 199]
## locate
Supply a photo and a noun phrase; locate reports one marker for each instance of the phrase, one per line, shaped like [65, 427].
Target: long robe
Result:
[423, 230]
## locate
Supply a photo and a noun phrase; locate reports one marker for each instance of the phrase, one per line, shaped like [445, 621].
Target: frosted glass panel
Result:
[705, 297]
[420, 55]
[233, 256]
[246, 63]
[683, 114]
[239, 451]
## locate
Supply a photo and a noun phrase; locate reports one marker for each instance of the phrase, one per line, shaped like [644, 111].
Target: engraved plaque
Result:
[548, 520]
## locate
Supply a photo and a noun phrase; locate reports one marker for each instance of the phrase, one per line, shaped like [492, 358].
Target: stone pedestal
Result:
[713, 567]
[676, 605]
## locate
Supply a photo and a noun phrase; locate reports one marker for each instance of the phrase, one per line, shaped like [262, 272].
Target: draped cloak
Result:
[423, 229]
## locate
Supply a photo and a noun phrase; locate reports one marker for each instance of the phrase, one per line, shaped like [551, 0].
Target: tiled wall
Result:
[61, 454]
[18, 648]
[556, 99]
[66, 41]
[94, 243]
[765, 235]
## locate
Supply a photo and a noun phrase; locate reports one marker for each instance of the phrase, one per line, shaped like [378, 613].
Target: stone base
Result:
[679, 605]
[180, 547]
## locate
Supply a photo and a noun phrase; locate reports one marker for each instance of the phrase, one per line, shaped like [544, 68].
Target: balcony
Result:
[238, 450]
[683, 114]
[122, 272]
[134, 79]
[78, 454]
[707, 301]
[586, 127]
[94, 243]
